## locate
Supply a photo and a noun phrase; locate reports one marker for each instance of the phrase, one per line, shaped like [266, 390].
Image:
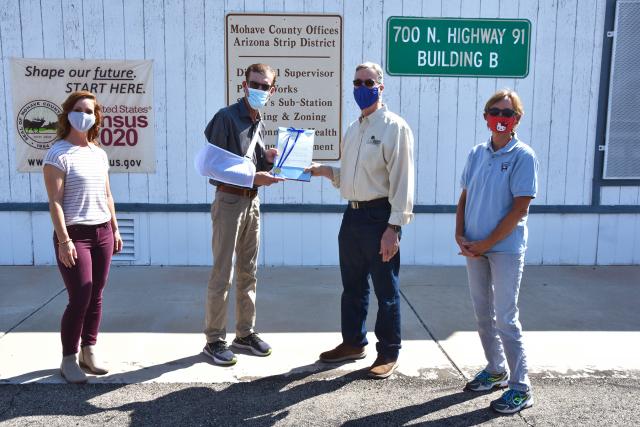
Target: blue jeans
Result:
[359, 243]
[494, 282]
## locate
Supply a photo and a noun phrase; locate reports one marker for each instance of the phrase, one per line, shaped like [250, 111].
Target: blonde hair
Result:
[506, 93]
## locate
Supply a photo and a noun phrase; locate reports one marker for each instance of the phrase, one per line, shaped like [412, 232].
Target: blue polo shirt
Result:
[492, 179]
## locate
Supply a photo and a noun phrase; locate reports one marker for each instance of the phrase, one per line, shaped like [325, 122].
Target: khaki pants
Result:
[236, 230]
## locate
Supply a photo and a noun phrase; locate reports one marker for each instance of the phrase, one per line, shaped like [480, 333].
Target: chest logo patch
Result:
[505, 166]
[374, 141]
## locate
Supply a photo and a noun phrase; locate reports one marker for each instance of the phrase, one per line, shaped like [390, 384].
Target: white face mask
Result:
[80, 121]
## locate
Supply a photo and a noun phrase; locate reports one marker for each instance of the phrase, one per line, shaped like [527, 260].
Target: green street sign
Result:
[458, 47]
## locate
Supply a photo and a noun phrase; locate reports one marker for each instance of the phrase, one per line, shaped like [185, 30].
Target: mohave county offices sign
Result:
[458, 47]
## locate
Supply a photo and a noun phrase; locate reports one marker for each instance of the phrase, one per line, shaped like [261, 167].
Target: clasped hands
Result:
[472, 249]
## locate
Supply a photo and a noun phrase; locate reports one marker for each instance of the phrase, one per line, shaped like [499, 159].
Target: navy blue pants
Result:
[360, 258]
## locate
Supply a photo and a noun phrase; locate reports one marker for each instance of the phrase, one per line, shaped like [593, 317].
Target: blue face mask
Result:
[365, 97]
[257, 98]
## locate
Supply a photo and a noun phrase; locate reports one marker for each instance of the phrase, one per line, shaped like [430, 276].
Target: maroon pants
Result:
[85, 282]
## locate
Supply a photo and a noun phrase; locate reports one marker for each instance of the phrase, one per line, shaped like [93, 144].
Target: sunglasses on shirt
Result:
[507, 112]
[261, 86]
[368, 83]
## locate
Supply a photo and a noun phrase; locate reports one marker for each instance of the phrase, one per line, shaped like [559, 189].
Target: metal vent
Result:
[622, 149]
[127, 227]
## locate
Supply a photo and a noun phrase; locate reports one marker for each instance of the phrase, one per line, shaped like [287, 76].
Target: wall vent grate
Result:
[622, 149]
[127, 227]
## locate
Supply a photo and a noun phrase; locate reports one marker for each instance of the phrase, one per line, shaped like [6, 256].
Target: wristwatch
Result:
[394, 227]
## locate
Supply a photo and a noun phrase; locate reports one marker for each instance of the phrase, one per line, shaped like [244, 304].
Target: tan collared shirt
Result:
[377, 161]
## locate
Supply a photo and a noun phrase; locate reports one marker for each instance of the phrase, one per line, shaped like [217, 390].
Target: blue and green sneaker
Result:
[485, 381]
[512, 401]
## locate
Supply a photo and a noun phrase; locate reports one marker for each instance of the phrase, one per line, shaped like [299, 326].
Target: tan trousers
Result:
[236, 230]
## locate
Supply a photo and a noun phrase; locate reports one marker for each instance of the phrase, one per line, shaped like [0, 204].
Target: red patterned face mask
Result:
[501, 124]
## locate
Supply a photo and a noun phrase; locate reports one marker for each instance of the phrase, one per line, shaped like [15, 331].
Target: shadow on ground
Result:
[262, 402]
[312, 391]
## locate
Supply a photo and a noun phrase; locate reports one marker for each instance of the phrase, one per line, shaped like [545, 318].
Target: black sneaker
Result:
[254, 343]
[220, 353]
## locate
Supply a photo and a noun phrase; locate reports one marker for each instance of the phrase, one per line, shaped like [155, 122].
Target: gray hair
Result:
[372, 66]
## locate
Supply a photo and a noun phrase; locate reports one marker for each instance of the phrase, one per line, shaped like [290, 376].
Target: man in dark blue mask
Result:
[376, 175]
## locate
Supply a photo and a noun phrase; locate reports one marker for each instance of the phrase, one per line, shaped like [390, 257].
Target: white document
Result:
[221, 165]
[295, 153]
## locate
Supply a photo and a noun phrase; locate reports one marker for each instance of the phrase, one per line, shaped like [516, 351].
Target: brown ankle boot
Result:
[382, 367]
[343, 352]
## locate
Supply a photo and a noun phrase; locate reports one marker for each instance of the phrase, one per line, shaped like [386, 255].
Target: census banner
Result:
[123, 88]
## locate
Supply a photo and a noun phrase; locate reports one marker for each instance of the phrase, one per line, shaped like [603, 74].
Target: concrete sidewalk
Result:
[578, 322]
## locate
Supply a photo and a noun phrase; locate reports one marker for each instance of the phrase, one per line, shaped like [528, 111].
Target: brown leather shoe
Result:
[343, 352]
[382, 367]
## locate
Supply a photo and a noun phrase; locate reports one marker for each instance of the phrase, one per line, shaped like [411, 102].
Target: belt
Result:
[87, 226]
[369, 203]
[250, 193]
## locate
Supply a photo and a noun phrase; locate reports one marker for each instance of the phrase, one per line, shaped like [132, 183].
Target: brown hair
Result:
[64, 127]
[262, 69]
[506, 93]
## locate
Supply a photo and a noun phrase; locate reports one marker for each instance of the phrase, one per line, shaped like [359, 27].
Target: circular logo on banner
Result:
[37, 122]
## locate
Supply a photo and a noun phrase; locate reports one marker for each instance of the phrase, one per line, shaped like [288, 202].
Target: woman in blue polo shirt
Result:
[498, 182]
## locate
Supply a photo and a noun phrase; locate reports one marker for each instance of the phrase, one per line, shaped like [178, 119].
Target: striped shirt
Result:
[85, 193]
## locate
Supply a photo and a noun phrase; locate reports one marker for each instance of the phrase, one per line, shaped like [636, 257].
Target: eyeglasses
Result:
[507, 112]
[368, 83]
[261, 86]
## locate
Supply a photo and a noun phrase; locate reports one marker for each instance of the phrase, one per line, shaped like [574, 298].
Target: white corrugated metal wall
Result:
[185, 40]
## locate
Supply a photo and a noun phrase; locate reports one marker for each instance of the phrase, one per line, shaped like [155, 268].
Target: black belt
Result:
[375, 203]
[87, 226]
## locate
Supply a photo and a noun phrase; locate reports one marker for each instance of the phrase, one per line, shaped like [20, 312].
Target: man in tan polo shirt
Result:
[376, 175]
[235, 214]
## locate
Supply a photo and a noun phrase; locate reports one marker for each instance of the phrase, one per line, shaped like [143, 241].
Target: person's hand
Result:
[117, 242]
[265, 178]
[67, 254]
[479, 247]
[318, 169]
[271, 154]
[463, 244]
[389, 244]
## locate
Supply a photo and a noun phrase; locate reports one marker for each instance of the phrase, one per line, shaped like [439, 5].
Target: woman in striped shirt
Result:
[86, 230]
